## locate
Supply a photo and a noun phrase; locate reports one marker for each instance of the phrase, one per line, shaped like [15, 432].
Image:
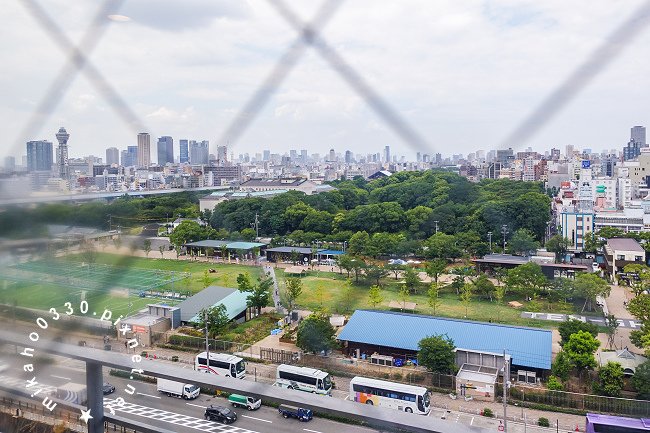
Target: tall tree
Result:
[435, 268]
[146, 246]
[395, 269]
[374, 296]
[375, 273]
[411, 280]
[466, 296]
[562, 366]
[523, 242]
[590, 286]
[484, 287]
[258, 293]
[528, 278]
[217, 319]
[612, 325]
[558, 245]
[292, 291]
[610, 380]
[161, 248]
[436, 354]
[571, 326]
[315, 333]
[641, 279]
[580, 349]
[641, 381]
[433, 298]
[403, 295]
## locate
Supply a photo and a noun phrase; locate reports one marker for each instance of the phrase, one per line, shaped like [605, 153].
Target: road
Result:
[153, 408]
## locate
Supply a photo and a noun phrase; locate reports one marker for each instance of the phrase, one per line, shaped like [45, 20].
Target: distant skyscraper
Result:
[303, 155]
[293, 154]
[199, 152]
[165, 150]
[112, 156]
[631, 150]
[569, 150]
[144, 149]
[10, 163]
[637, 134]
[39, 155]
[267, 155]
[418, 157]
[62, 153]
[184, 155]
[130, 156]
[555, 154]
[387, 154]
[348, 157]
[332, 156]
[222, 155]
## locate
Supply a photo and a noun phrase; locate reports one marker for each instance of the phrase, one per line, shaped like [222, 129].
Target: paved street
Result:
[554, 317]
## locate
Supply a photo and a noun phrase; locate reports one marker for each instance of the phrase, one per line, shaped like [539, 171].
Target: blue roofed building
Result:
[398, 335]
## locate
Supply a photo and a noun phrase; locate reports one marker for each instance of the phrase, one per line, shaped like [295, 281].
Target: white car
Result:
[595, 267]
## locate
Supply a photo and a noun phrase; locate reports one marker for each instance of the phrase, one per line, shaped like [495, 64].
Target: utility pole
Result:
[207, 345]
[506, 384]
[256, 226]
[490, 241]
[504, 230]
[436, 221]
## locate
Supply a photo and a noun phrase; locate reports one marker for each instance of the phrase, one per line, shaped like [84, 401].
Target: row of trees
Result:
[416, 204]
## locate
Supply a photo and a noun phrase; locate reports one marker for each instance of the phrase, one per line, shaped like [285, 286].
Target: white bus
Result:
[303, 379]
[221, 364]
[407, 398]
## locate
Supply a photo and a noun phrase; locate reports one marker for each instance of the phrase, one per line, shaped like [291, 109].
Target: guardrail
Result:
[382, 418]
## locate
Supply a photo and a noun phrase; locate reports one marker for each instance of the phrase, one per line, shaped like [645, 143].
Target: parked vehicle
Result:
[178, 389]
[220, 414]
[250, 403]
[107, 388]
[299, 413]
[74, 393]
[303, 379]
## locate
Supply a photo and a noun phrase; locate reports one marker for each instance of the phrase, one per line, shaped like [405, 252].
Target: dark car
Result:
[107, 388]
[221, 414]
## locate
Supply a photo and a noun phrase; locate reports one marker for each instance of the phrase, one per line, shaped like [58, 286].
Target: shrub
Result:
[175, 358]
[385, 375]
[543, 422]
[554, 384]
[397, 376]
[488, 412]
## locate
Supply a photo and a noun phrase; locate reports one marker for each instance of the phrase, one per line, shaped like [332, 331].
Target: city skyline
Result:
[463, 76]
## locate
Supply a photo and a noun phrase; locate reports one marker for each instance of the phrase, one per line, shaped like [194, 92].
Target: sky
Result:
[462, 75]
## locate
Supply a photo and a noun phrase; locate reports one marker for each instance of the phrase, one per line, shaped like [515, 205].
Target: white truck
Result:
[178, 389]
[74, 393]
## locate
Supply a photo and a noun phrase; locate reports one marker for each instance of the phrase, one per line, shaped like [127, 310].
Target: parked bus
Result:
[303, 379]
[408, 398]
[221, 364]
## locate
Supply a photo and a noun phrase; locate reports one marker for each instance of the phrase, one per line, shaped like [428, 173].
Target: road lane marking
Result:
[312, 431]
[472, 421]
[61, 377]
[147, 395]
[258, 419]
[196, 405]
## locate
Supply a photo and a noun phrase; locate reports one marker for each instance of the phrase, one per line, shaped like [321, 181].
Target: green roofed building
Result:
[213, 296]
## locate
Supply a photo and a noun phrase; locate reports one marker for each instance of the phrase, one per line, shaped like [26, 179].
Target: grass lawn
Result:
[46, 296]
[330, 291]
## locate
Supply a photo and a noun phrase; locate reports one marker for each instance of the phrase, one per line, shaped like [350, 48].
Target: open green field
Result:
[46, 295]
[330, 291]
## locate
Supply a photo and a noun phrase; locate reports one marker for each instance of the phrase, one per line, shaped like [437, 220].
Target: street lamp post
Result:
[490, 240]
[504, 230]
[436, 221]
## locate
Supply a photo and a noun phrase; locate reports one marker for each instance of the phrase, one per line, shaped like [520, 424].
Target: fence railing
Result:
[581, 402]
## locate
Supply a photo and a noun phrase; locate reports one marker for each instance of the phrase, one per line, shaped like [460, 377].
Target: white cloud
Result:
[462, 73]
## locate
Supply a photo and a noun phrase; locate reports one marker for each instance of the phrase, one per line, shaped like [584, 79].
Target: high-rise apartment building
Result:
[637, 134]
[631, 150]
[184, 154]
[165, 150]
[62, 153]
[267, 155]
[303, 156]
[144, 149]
[39, 155]
[112, 156]
[348, 157]
[387, 154]
[332, 156]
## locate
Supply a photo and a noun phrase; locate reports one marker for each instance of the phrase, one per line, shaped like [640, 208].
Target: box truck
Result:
[178, 389]
[74, 393]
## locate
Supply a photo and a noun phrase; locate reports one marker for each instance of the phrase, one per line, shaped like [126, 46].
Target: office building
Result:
[631, 150]
[332, 156]
[199, 152]
[39, 155]
[130, 156]
[10, 163]
[267, 155]
[184, 154]
[303, 156]
[62, 153]
[144, 150]
[112, 156]
[637, 134]
[165, 150]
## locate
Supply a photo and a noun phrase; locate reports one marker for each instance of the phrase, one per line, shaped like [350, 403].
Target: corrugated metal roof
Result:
[208, 243]
[624, 244]
[528, 347]
[244, 245]
[233, 299]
